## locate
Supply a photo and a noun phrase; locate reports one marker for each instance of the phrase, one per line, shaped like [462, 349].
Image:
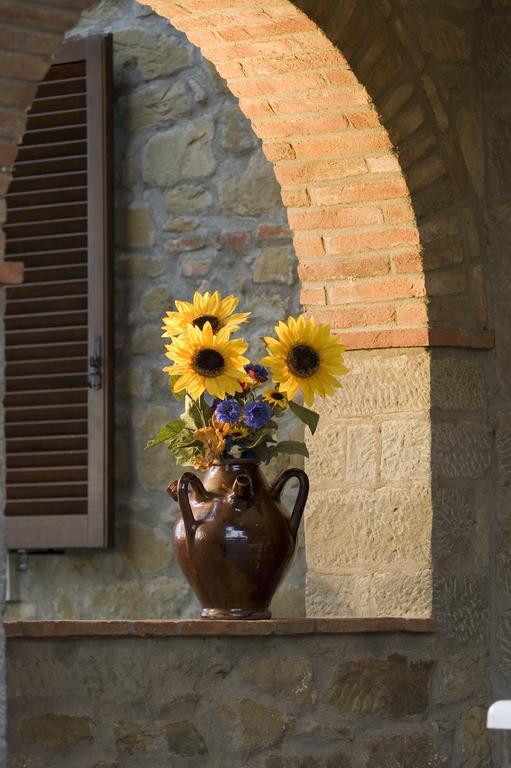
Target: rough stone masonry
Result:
[197, 208]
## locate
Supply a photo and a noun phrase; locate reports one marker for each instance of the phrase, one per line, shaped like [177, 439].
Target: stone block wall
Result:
[369, 519]
[197, 208]
[324, 701]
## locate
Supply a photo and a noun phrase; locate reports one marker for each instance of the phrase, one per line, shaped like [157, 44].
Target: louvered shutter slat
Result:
[58, 224]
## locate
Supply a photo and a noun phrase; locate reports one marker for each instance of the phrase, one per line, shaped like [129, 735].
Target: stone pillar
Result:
[397, 522]
[369, 520]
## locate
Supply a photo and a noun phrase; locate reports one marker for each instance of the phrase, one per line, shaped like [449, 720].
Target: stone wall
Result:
[323, 701]
[495, 72]
[197, 208]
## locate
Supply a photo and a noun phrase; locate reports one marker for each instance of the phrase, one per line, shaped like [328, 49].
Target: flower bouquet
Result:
[232, 406]
[234, 540]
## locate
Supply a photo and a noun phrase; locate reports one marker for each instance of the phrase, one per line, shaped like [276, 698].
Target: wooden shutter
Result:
[58, 431]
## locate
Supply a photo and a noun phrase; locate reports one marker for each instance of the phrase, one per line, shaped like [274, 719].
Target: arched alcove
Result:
[385, 225]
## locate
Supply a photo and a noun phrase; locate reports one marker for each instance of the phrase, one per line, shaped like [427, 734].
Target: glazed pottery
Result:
[234, 540]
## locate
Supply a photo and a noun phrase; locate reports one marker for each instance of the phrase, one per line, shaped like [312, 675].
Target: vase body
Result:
[234, 540]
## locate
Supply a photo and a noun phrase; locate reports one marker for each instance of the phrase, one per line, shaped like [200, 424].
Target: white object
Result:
[499, 715]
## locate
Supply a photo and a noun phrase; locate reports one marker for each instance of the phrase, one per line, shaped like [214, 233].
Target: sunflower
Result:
[210, 308]
[275, 397]
[238, 432]
[207, 362]
[305, 356]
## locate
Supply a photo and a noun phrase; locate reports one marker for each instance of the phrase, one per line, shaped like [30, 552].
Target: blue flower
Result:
[257, 372]
[256, 414]
[228, 411]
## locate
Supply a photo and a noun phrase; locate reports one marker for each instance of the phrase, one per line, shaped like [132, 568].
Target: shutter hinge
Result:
[95, 363]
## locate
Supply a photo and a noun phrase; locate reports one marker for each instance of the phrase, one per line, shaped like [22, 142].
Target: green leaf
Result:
[185, 455]
[308, 417]
[292, 447]
[167, 433]
[197, 413]
[266, 434]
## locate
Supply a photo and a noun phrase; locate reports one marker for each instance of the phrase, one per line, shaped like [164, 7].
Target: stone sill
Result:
[205, 628]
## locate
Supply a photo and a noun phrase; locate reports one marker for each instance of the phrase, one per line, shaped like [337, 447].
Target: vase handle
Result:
[187, 479]
[278, 486]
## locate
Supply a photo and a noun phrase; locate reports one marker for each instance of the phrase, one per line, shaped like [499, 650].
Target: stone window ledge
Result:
[204, 628]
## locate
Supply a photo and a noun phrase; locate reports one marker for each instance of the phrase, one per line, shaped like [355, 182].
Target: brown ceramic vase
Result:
[234, 540]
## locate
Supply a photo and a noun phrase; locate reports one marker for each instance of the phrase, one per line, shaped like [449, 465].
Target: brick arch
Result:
[376, 189]
[379, 229]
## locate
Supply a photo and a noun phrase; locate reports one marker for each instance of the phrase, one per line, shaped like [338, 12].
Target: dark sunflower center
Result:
[201, 321]
[208, 362]
[303, 361]
[277, 396]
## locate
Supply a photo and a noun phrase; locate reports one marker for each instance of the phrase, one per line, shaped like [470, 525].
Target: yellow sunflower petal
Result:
[305, 356]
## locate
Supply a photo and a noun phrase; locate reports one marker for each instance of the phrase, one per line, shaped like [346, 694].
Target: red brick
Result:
[358, 191]
[399, 213]
[334, 218]
[278, 150]
[404, 263]
[356, 317]
[269, 65]
[450, 310]
[36, 15]
[272, 232]
[16, 93]
[378, 290]
[344, 269]
[318, 101]
[11, 39]
[443, 255]
[238, 241]
[313, 297]
[309, 246]
[243, 50]
[295, 198]
[447, 337]
[7, 154]
[287, 82]
[302, 172]
[412, 313]
[362, 120]
[228, 69]
[341, 77]
[446, 283]
[205, 38]
[79, 5]
[481, 339]
[383, 164]
[42, 43]
[12, 125]
[348, 143]
[218, 20]
[253, 108]
[5, 180]
[264, 31]
[22, 66]
[11, 272]
[300, 126]
[387, 338]
[372, 241]
[190, 243]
